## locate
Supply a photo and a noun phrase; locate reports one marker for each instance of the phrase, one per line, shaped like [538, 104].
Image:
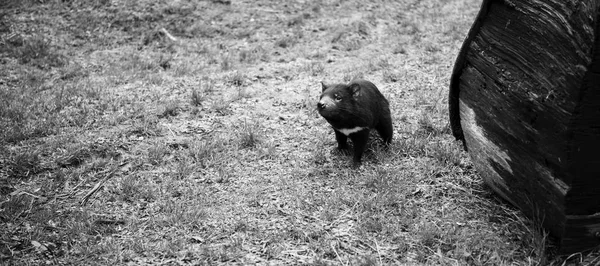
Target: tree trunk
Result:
[525, 101]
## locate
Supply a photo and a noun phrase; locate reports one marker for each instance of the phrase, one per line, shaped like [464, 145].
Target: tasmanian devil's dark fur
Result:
[352, 110]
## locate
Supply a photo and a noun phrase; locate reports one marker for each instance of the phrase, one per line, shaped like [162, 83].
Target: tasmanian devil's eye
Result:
[338, 97]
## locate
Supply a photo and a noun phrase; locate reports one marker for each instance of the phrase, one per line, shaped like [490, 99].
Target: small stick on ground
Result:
[168, 35]
[98, 185]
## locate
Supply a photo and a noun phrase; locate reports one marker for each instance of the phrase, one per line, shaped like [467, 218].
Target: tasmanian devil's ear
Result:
[323, 86]
[354, 89]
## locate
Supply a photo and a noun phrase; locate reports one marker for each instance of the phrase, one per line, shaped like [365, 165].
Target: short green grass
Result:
[185, 132]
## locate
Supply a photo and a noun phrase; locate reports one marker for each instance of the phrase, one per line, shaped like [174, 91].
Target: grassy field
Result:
[185, 132]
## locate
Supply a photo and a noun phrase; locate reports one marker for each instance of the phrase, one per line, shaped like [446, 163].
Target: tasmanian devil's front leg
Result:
[359, 139]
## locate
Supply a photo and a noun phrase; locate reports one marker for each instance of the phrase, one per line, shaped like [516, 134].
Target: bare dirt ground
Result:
[185, 132]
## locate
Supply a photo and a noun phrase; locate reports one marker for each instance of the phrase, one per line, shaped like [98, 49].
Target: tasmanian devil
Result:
[352, 110]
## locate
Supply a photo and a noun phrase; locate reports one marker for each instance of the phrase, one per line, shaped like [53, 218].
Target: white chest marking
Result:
[348, 131]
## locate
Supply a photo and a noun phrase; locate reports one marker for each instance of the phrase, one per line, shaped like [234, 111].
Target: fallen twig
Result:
[168, 35]
[109, 222]
[98, 185]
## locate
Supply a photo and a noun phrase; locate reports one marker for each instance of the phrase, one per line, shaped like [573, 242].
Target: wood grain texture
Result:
[525, 101]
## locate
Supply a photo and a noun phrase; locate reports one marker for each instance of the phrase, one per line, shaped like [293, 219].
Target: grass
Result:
[121, 144]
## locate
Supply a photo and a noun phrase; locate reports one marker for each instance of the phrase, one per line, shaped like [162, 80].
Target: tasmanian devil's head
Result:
[337, 101]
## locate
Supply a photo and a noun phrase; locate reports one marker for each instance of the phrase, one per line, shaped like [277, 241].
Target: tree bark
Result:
[525, 101]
